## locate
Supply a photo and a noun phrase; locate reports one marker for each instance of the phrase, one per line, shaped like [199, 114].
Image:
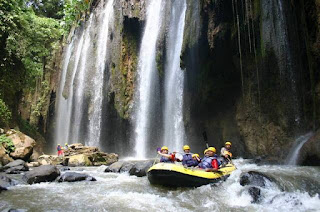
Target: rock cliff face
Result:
[250, 75]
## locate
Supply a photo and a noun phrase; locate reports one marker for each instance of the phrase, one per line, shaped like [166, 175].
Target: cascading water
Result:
[78, 97]
[98, 80]
[146, 76]
[174, 133]
[292, 158]
[83, 80]
[64, 109]
[62, 103]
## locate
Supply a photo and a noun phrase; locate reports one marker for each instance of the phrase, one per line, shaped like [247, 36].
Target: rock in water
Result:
[79, 160]
[255, 193]
[74, 176]
[17, 169]
[23, 143]
[254, 178]
[115, 167]
[46, 173]
[140, 168]
[50, 160]
[126, 167]
[19, 164]
[5, 183]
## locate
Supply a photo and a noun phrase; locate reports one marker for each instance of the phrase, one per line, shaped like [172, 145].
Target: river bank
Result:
[296, 190]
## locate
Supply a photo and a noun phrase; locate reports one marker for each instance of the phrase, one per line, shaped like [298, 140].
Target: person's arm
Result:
[215, 166]
[165, 155]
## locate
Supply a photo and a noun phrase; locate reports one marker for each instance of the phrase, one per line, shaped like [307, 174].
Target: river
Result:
[298, 190]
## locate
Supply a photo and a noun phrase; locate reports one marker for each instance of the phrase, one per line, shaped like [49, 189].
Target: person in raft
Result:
[187, 157]
[225, 152]
[195, 160]
[60, 151]
[210, 160]
[165, 157]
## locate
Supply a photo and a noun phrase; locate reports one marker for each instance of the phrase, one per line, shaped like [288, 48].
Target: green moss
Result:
[7, 143]
[159, 61]
[128, 66]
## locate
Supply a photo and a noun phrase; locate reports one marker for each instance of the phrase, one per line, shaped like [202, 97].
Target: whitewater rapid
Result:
[121, 192]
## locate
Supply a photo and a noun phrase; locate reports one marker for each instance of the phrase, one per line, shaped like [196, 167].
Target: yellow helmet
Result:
[195, 155]
[185, 147]
[211, 149]
[66, 144]
[228, 143]
[59, 145]
[204, 152]
[164, 148]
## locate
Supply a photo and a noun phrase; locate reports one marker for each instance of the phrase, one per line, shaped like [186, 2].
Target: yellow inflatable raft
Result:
[176, 175]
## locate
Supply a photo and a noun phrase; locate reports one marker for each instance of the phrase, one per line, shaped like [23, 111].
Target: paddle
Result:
[205, 138]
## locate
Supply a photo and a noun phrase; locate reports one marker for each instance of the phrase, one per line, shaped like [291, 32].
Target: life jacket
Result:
[58, 148]
[206, 162]
[187, 159]
[165, 160]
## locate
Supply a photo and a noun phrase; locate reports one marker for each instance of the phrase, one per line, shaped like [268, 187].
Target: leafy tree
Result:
[26, 42]
[5, 114]
[48, 8]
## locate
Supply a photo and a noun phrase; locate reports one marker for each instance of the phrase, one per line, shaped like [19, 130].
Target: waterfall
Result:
[174, 133]
[61, 131]
[82, 78]
[78, 98]
[292, 158]
[146, 75]
[98, 80]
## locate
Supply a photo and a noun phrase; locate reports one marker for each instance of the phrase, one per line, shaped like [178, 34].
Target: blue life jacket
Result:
[58, 148]
[165, 160]
[206, 162]
[193, 163]
[187, 159]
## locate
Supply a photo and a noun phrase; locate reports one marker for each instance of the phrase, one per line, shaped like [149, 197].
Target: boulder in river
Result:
[126, 167]
[137, 168]
[6, 182]
[79, 160]
[255, 193]
[23, 145]
[140, 169]
[45, 173]
[254, 178]
[50, 160]
[15, 165]
[74, 176]
[115, 167]
[17, 169]
[91, 155]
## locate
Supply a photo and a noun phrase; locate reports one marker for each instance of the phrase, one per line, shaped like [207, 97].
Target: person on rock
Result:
[187, 157]
[210, 160]
[60, 151]
[165, 156]
[225, 152]
[67, 146]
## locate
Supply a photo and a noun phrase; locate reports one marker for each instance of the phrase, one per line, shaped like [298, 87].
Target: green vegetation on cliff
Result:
[30, 37]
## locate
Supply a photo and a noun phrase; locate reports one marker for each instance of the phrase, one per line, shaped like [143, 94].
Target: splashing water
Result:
[292, 158]
[121, 192]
